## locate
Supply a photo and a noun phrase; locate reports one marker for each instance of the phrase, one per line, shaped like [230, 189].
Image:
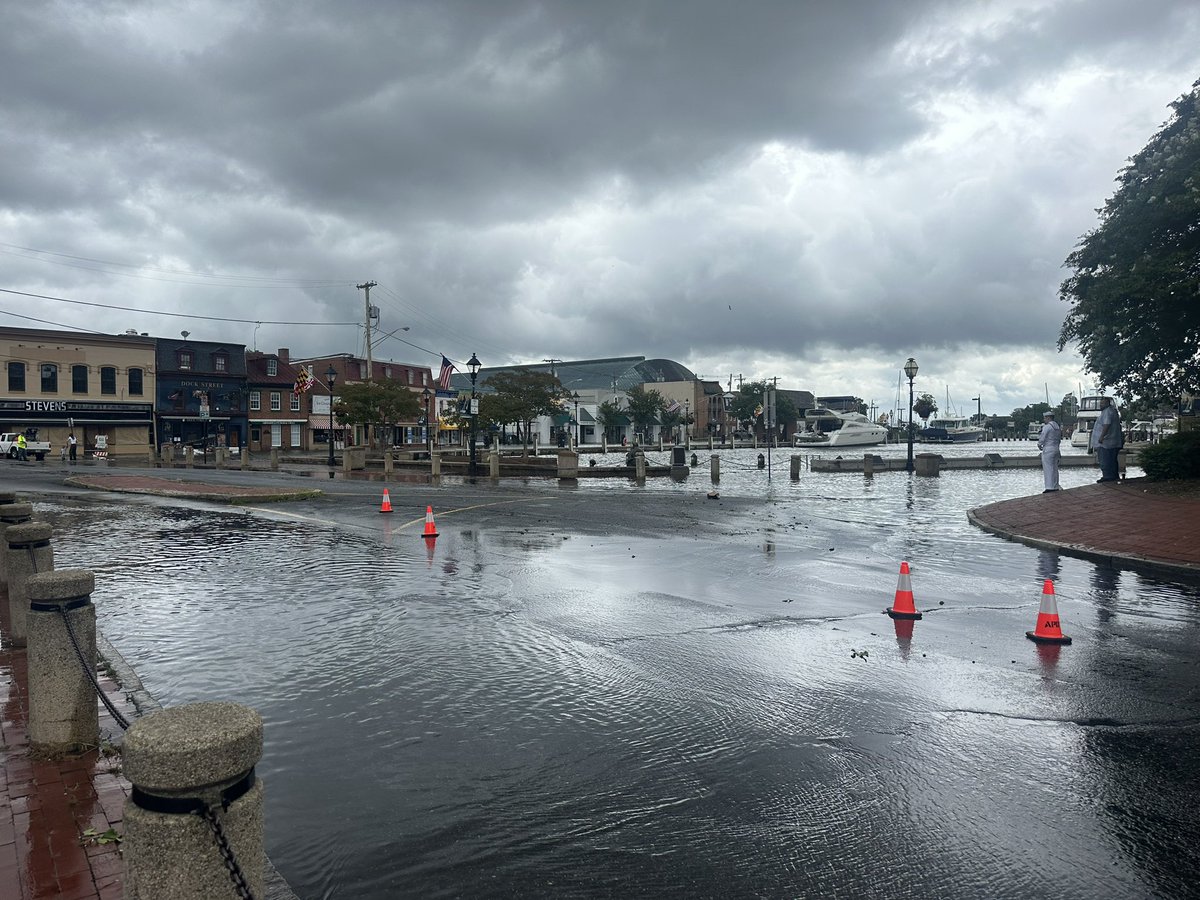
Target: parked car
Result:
[33, 447]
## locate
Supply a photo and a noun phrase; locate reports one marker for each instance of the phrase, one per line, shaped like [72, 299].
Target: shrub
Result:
[1177, 456]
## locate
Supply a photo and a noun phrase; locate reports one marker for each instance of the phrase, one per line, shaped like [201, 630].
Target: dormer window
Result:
[272, 368]
[185, 359]
[220, 362]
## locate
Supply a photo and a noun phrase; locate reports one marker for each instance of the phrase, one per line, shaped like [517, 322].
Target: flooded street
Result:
[551, 702]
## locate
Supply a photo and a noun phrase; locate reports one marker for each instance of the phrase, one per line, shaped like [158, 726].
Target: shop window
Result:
[255, 401]
[135, 382]
[79, 379]
[275, 402]
[49, 378]
[16, 376]
[108, 380]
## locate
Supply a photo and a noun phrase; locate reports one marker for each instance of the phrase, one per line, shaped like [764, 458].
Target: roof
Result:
[619, 373]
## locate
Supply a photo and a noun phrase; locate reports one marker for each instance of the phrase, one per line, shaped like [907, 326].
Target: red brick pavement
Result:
[48, 807]
[1133, 522]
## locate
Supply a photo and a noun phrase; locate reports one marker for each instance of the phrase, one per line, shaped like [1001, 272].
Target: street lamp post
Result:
[426, 395]
[331, 377]
[575, 396]
[687, 416]
[473, 366]
[910, 369]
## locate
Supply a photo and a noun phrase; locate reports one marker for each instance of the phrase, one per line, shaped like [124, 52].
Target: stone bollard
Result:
[435, 465]
[166, 455]
[710, 443]
[12, 514]
[28, 552]
[62, 698]
[928, 464]
[244, 457]
[796, 461]
[714, 463]
[568, 465]
[219, 457]
[604, 445]
[494, 463]
[639, 465]
[660, 444]
[388, 462]
[182, 761]
[189, 457]
[151, 457]
[275, 460]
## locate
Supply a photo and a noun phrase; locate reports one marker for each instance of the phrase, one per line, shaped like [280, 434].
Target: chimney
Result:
[282, 353]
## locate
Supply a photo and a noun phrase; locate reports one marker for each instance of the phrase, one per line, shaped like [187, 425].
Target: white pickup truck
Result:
[36, 449]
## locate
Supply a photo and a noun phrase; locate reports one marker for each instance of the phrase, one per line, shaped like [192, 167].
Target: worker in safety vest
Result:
[22, 446]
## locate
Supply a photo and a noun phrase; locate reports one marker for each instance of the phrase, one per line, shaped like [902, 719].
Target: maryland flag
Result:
[304, 380]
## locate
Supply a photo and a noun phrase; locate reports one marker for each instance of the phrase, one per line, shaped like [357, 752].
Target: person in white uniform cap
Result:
[1048, 441]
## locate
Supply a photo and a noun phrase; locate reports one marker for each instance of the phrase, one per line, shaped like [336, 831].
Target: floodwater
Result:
[722, 712]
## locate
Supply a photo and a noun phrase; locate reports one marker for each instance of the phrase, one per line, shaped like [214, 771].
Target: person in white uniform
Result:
[1048, 441]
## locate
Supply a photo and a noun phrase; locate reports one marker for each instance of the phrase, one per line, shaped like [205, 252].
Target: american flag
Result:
[673, 406]
[304, 381]
[444, 375]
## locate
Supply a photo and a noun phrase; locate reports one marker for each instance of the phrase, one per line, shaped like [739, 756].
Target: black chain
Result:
[87, 670]
[235, 871]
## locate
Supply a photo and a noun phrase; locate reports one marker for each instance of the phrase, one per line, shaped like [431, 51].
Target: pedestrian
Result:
[1048, 441]
[71, 445]
[22, 446]
[1106, 439]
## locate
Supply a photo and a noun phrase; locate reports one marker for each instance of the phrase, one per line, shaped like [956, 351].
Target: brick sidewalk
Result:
[1120, 523]
[47, 809]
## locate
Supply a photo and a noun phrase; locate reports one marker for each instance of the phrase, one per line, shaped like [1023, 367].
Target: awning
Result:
[561, 419]
[321, 423]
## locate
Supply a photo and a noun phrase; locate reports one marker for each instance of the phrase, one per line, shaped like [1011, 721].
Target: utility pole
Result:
[366, 286]
[552, 362]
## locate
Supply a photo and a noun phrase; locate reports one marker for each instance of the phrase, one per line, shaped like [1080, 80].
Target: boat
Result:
[950, 431]
[828, 428]
[1035, 431]
[1085, 418]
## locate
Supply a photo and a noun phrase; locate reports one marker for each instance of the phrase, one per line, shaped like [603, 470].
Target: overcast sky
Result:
[813, 191]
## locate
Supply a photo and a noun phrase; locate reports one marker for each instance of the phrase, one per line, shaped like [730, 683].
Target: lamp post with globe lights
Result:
[473, 366]
[910, 369]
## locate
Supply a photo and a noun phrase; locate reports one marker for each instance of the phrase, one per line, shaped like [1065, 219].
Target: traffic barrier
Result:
[903, 606]
[386, 506]
[430, 529]
[1048, 629]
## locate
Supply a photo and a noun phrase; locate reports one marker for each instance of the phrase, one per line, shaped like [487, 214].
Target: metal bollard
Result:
[194, 821]
[61, 658]
[12, 514]
[715, 465]
[28, 552]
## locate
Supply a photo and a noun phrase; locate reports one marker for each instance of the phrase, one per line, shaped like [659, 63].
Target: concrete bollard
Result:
[795, 466]
[494, 463]
[568, 465]
[604, 445]
[27, 552]
[244, 458]
[12, 514]
[639, 465]
[435, 465]
[388, 462]
[183, 761]
[189, 457]
[275, 460]
[714, 463]
[166, 455]
[62, 699]
[151, 457]
[928, 464]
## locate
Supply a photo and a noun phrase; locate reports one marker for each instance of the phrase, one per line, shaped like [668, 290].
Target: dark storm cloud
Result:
[752, 185]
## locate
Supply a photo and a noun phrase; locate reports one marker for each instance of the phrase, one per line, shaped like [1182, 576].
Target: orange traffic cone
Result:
[430, 528]
[387, 502]
[1048, 629]
[903, 607]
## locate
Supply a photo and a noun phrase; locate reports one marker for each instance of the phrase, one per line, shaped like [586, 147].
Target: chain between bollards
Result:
[108, 704]
[231, 864]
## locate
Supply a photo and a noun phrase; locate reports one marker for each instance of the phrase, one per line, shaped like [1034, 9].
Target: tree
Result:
[377, 404]
[1135, 291]
[521, 397]
[750, 396]
[644, 407]
[1022, 418]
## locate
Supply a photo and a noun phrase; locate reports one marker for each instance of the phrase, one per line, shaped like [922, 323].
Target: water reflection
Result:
[524, 712]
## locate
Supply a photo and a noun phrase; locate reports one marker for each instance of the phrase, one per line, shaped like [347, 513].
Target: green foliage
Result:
[925, 405]
[1135, 291]
[644, 407]
[374, 403]
[607, 413]
[750, 396]
[1177, 456]
[521, 397]
[1033, 413]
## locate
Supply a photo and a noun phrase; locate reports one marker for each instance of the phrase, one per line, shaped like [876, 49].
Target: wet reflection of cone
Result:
[903, 607]
[904, 633]
[430, 546]
[387, 502]
[1048, 629]
[430, 528]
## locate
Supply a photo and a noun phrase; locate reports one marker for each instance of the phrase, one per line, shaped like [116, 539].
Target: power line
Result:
[156, 312]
